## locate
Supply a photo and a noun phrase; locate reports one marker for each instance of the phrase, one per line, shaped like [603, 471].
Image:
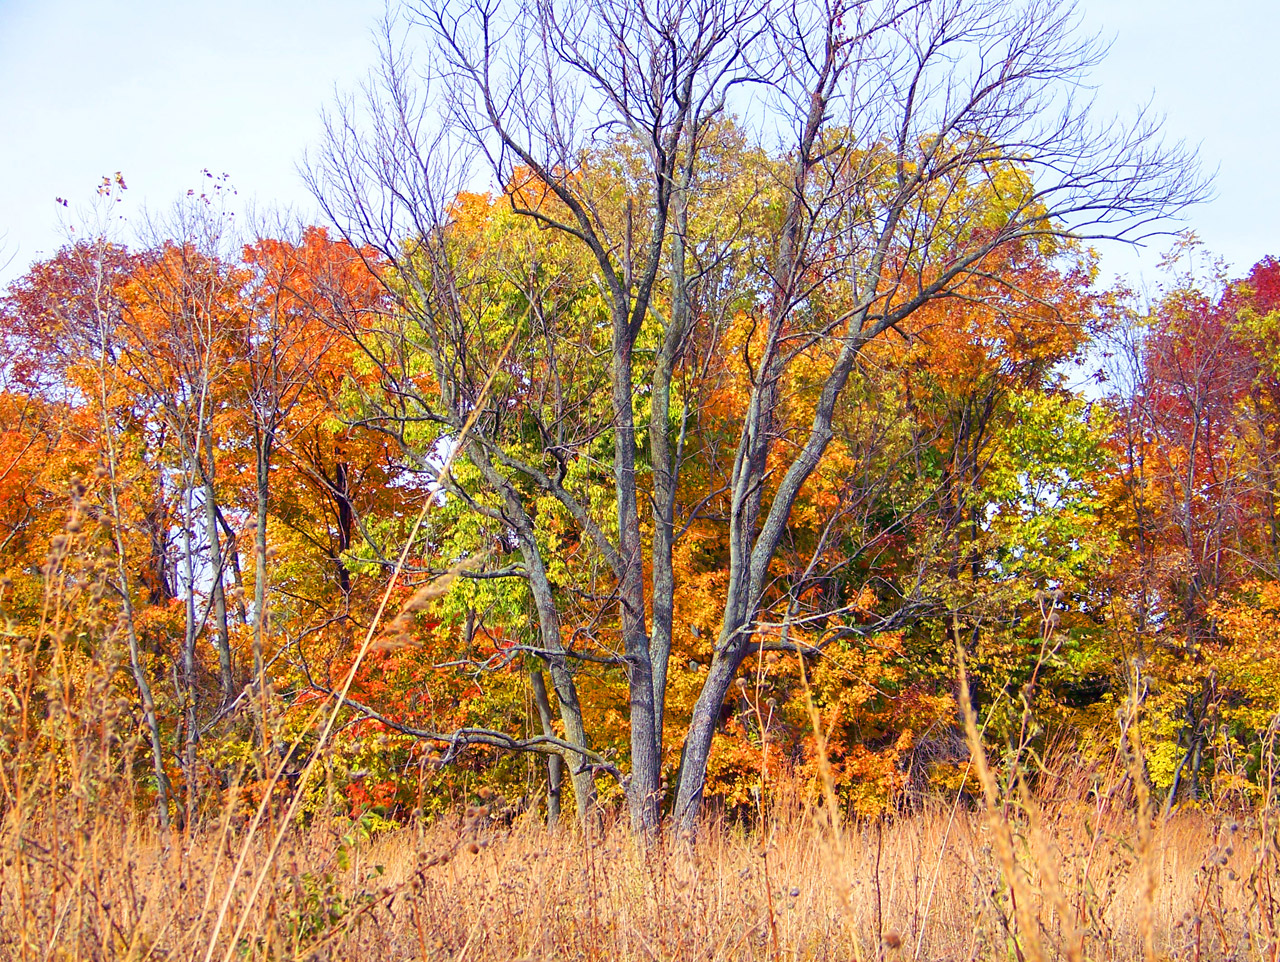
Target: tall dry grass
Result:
[78, 883]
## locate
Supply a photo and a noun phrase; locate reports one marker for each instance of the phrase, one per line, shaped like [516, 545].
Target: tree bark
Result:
[261, 613]
[643, 791]
[555, 764]
[549, 629]
[217, 590]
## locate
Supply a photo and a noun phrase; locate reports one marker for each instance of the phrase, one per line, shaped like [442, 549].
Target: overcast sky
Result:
[162, 89]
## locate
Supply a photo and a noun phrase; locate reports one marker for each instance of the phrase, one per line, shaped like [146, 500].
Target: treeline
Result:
[679, 463]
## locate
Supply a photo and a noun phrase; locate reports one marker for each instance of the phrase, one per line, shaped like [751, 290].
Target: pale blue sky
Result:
[160, 89]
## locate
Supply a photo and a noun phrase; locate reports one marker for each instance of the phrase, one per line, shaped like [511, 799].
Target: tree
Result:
[296, 292]
[1194, 392]
[919, 140]
[180, 339]
[63, 324]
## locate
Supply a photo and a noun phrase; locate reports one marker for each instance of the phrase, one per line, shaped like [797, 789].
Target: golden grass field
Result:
[86, 882]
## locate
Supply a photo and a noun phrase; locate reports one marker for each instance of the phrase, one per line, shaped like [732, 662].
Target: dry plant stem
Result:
[946, 835]
[224, 835]
[830, 802]
[824, 763]
[1094, 835]
[1052, 884]
[340, 701]
[546, 894]
[768, 895]
[1146, 911]
[997, 825]
[253, 828]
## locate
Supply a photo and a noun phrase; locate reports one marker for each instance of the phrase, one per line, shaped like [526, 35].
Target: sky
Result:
[162, 90]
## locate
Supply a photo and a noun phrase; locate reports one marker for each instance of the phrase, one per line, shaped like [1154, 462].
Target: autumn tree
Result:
[920, 141]
[293, 294]
[62, 329]
[1193, 388]
[180, 345]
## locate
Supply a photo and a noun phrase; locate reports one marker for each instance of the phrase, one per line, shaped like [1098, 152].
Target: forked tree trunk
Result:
[555, 764]
[584, 788]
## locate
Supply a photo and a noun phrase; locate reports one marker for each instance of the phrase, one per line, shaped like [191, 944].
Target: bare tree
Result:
[906, 143]
[181, 348]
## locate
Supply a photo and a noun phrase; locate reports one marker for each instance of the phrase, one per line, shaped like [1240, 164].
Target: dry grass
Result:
[78, 884]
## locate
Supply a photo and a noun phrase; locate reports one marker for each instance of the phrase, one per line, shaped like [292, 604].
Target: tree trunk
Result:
[584, 788]
[666, 468]
[163, 789]
[643, 791]
[555, 764]
[217, 593]
[191, 694]
[514, 514]
[260, 612]
[749, 552]
[346, 526]
[233, 561]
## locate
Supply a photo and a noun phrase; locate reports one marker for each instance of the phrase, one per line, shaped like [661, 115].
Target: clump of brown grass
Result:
[468, 888]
